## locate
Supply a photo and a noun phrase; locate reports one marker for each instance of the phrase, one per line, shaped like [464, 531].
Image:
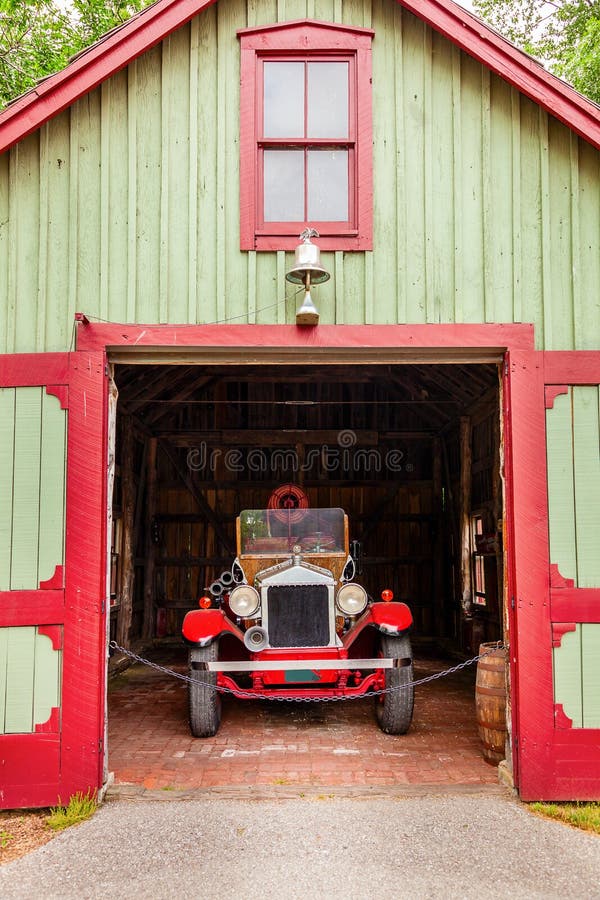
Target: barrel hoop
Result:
[491, 726]
[490, 691]
[497, 665]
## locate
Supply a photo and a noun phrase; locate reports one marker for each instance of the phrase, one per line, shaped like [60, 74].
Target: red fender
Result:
[203, 626]
[390, 618]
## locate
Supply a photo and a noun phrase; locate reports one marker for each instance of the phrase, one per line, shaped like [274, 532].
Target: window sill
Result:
[352, 242]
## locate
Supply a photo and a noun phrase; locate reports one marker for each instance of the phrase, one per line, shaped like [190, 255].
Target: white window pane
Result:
[327, 174]
[283, 185]
[327, 100]
[283, 86]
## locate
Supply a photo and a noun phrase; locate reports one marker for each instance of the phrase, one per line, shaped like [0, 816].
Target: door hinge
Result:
[100, 745]
[102, 607]
[512, 602]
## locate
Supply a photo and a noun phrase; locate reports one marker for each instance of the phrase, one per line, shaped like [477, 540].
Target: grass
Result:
[5, 839]
[80, 807]
[581, 815]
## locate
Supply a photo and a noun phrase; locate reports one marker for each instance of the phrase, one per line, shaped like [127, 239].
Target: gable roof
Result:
[149, 27]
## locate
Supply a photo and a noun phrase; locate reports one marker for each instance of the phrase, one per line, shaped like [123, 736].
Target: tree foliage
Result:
[564, 34]
[38, 37]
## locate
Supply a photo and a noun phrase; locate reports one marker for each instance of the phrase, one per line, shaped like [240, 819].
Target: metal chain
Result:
[254, 696]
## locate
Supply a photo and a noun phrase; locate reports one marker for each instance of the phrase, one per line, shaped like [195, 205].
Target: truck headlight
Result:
[244, 600]
[351, 599]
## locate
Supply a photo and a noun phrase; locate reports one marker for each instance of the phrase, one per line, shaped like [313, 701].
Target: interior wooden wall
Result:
[382, 449]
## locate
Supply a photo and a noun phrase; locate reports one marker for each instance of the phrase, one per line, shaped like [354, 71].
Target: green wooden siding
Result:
[127, 205]
[30, 678]
[573, 457]
[577, 675]
[32, 487]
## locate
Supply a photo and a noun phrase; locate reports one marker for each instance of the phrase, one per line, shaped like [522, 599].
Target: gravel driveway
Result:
[312, 847]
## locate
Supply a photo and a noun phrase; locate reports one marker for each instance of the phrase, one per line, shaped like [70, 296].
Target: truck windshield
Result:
[275, 531]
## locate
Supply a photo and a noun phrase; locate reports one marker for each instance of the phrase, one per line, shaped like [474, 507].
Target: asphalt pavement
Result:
[313, 846]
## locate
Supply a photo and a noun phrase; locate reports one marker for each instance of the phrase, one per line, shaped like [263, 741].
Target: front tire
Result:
[203, 698]
[394, 711]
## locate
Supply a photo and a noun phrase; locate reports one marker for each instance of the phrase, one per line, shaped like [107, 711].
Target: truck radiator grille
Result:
[298, 615]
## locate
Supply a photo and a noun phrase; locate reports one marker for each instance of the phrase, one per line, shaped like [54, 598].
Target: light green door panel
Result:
[18, 715]
[26, 488]
[32, 486]
[52, 486]
[586, 476]
[567, 676]
[30, 679]
[7, 452]
[573, 459]
[46, 679]
[3, 667]
[561, 494]
[577, 675]
[590, 674]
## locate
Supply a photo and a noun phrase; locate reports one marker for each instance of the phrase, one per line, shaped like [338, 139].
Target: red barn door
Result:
[52, 575]
[553, 418]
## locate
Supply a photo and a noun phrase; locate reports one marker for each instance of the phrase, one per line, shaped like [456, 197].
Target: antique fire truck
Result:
[291, 620]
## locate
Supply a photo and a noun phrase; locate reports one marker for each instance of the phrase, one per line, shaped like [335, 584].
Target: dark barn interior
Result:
[410, 452]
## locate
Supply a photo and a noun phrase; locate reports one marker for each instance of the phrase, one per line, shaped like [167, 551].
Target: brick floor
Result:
[262, 743]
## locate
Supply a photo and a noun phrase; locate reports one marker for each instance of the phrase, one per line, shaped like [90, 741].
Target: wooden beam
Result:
[164, 408]
[424, 409]
[453, 513]
[242, 437]
[148, 384]
[128, 494]
[162, 562]
[188, 562]
[361, 517]
[268, 486]
[488, 400]
[139, 493]
[465, 513]
[438, 541]
[150, 546]
[290, 438]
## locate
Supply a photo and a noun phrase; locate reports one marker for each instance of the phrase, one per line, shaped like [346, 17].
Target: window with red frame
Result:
[306, 135]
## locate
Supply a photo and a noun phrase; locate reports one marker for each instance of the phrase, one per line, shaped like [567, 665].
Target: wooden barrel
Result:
[490, 703]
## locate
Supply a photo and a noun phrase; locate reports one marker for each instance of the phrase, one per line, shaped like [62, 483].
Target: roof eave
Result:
[512, 64]
[93, 66]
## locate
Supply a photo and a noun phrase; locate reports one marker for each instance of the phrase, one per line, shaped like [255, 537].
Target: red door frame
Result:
[576, 752]
[552, 762]
[46, 769]
[527, 571]
[539, 773]
[436, 342]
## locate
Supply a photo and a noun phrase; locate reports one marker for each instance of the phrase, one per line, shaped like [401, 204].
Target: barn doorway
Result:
[411, 451]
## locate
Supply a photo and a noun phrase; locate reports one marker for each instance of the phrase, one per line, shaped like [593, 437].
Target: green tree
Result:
[564, 34]
[38, 37]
